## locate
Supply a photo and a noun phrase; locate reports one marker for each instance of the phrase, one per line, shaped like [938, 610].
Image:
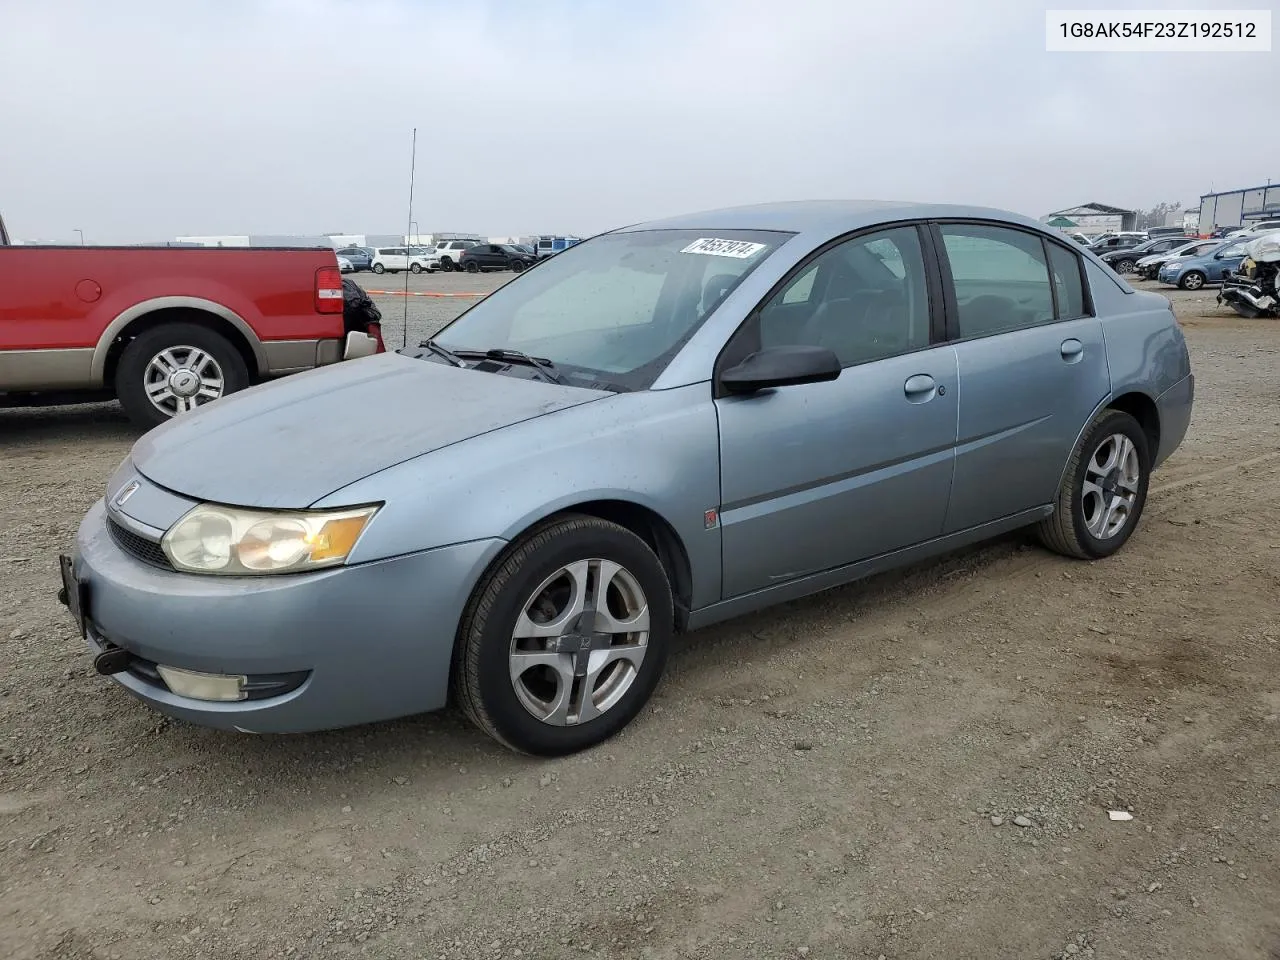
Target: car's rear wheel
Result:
[176, 368]
[379, 268]
[473, 267]
[1192, 280]
[1125, 266]
[1104, 491]
[564, 641]
[415, 268]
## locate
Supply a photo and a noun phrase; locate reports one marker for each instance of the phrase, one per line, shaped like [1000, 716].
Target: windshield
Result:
[616, 308]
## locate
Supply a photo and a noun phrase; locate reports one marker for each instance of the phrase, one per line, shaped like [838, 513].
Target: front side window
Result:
[1000, 276]
[864, 299]
[618, 307]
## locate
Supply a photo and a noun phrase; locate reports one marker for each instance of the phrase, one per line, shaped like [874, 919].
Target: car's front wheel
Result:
[564, 641]
[1192, 280]
[1103, 492]
[415, 268]
[473, 267]
[1125, 266]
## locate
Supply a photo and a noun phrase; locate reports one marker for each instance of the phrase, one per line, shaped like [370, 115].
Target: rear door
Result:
[1032, 365]
[816, 476]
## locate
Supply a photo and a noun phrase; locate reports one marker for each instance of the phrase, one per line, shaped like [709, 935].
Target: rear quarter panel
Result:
[1146, 353]
[66, 297]
[655, 449]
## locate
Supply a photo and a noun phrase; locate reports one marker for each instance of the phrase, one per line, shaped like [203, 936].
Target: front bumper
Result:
[351, 645]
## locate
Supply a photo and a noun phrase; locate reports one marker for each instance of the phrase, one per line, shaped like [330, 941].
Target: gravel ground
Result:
[919, 765]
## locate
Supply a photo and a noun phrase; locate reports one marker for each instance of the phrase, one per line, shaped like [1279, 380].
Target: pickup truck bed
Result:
[165, 329]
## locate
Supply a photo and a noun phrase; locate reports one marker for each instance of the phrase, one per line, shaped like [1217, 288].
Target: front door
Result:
[1032, 362]
[816, 476]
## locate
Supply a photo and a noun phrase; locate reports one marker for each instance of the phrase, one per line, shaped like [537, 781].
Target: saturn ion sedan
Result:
[662, 427]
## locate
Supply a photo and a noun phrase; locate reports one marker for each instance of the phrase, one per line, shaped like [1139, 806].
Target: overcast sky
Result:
[140, 120]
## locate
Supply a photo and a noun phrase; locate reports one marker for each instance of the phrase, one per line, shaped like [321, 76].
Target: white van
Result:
[395, 259]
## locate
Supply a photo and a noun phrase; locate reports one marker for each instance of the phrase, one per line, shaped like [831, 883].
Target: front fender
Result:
[655, 449]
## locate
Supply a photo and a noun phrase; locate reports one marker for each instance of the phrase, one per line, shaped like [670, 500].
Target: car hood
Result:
[290, 442]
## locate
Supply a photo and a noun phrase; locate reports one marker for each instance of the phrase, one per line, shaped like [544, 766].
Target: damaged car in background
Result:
[1254, 289]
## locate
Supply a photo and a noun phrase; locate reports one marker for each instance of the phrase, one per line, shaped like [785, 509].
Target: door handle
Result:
[919, 388]
[1072, 350]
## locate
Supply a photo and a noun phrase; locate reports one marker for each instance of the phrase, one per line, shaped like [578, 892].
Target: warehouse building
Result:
[1237, 207]
[1092, 218]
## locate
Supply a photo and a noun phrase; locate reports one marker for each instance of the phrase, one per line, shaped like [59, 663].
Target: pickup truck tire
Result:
[174, 368]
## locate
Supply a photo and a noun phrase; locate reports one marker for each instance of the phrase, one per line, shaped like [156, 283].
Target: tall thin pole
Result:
[413, 162]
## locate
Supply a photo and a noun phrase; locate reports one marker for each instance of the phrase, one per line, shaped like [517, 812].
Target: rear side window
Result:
[1001, 279]
[1067, 282]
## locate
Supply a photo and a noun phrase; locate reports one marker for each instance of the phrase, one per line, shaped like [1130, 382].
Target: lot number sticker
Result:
[710, 246]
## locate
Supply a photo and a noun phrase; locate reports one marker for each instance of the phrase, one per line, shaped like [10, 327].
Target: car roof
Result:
[826, 216]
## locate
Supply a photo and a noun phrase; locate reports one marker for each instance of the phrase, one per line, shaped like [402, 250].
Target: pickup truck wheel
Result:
[174, 369]
[379, 268]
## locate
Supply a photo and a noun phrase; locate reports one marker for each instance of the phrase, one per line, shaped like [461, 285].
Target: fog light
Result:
[203, 686]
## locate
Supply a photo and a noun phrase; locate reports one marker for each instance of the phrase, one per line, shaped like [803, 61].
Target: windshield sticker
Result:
[711, 247]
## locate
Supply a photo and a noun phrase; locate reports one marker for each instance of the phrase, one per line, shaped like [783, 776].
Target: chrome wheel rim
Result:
[1110, 489]
[578, 642]
[181, 378]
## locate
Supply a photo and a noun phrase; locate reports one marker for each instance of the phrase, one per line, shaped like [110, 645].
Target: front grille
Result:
[143, 548]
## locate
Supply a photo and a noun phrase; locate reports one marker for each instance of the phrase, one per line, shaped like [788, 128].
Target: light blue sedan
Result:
[1192, 273]
[660, 428]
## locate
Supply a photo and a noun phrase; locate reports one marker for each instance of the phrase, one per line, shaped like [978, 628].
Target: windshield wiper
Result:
[516, 356]
[442, 352]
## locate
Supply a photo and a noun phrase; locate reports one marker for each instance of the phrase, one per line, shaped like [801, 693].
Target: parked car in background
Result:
[1124, 259]
[1154, 232]
[1192, 273]
[449, 252]
[344, 265]
[660, 428]
[396, 259]
[1255, 229]
[1222, 232]
[361, 258]
[1080, 238]
[550, 246]
[1117, 241]
[1149, 266]
[166, 330]
[495, 256]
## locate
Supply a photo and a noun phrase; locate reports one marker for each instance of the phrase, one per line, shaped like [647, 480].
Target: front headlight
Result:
[236, 542]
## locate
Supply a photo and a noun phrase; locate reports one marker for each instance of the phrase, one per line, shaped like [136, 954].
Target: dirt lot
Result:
[917, 766]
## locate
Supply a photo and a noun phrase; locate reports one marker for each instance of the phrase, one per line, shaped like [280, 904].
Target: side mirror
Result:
[781, 367]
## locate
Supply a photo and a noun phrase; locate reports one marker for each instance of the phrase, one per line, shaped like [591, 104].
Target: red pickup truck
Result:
[166, 329]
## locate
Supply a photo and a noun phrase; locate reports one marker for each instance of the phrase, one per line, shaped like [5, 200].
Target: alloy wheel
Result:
[181, 378]
[1110, 489]
[579, 641]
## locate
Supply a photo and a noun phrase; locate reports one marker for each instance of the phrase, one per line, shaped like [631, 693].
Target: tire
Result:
[141, 364]
[379, 268]
[473, 267]
[517, 266]
[415, 268]
[1125, 266]
[1085, 491]
[446, 264]
[1192, 280]
[520, 712]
